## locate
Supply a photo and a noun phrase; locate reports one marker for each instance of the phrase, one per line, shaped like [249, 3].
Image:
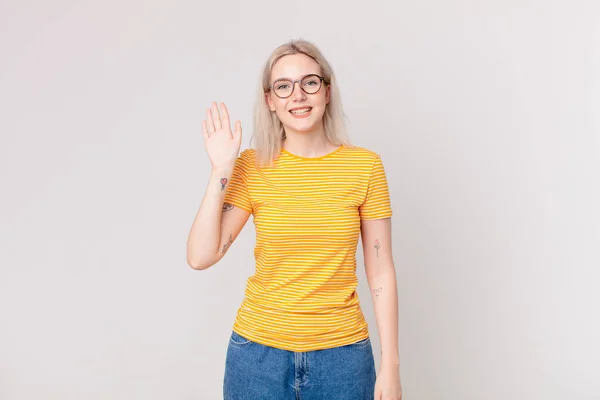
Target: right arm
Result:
[216, 225]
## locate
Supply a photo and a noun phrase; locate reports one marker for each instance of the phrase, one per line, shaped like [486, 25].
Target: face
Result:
[291, 110]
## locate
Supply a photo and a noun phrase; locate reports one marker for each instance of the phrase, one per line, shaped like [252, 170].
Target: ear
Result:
[269, 101]
[327, 94]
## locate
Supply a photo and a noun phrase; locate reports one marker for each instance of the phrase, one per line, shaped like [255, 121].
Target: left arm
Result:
[381, 276]
[376, 232]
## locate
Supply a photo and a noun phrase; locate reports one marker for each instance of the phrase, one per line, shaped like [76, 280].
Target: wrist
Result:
[390, 361]
[222, 170]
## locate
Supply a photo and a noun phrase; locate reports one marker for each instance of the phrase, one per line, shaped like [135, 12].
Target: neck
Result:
[307, 144]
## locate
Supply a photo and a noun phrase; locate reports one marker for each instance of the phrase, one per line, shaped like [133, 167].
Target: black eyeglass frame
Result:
[321, 81]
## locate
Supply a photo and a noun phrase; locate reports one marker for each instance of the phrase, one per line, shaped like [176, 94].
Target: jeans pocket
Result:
[238, 340]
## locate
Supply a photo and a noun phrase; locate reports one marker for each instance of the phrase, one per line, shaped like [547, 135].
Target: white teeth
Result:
[301, 111]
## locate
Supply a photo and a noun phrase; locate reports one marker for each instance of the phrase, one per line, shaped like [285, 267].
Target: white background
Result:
[486, 116]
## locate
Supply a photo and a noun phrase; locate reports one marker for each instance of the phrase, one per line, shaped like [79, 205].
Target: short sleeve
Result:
[237, 190]
[377, 201]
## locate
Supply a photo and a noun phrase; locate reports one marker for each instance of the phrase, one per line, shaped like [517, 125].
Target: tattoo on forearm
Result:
[227, 207]
[226, 245]
[377, 246]
[378, 291]
[223, 183]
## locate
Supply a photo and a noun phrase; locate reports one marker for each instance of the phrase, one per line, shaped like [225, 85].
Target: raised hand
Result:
[222, 146]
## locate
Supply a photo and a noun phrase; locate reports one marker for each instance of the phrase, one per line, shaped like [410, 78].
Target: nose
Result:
[298, 93]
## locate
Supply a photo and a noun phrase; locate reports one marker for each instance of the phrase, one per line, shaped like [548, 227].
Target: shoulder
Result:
[366, 163]
[248, 154]
[245, 163]
[248, 157]
[362, 155]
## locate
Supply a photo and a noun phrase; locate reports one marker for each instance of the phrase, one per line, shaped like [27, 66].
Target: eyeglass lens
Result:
[310, 84]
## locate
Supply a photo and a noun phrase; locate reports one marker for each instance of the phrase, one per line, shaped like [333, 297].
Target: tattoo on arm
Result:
[227, 207]
[377, 246]
[223, 183]
[226, 245]
[378, 291]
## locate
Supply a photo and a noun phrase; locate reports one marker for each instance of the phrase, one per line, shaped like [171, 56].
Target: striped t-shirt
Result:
[307, 214]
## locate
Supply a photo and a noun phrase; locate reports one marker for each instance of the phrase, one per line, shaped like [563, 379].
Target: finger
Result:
[216, 117]
[205, 130]
[209, 121]
[225, 117]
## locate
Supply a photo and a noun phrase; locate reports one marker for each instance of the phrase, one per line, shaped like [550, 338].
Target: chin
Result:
[301, 128]
[304, 127]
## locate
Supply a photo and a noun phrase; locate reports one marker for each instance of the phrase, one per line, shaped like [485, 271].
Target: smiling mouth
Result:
[301, 111]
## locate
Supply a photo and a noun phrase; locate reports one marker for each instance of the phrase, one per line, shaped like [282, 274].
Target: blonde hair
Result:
[268, 129]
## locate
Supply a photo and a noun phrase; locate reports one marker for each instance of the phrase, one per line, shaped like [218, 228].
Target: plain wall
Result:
[486, 116]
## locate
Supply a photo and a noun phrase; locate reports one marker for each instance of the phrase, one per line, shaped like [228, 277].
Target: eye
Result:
[282, 86]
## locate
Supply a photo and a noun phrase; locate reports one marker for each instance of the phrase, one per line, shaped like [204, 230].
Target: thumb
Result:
[237, 134]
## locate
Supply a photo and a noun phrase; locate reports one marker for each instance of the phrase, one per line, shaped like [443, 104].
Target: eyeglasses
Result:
[310, 84]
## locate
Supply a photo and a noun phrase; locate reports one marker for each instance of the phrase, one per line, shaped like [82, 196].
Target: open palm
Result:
[222, 145]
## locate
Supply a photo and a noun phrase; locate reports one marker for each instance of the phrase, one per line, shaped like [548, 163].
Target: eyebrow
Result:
[290, 79]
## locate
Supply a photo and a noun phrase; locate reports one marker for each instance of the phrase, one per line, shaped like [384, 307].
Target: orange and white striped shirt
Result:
[307, 214]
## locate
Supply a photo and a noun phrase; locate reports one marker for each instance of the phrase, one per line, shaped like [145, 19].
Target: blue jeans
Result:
[257, 372]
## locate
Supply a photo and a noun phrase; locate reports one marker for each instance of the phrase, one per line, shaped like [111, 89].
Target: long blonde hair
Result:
[268, 129]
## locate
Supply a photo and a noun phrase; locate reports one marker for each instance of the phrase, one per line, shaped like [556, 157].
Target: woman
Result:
[300, 331]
